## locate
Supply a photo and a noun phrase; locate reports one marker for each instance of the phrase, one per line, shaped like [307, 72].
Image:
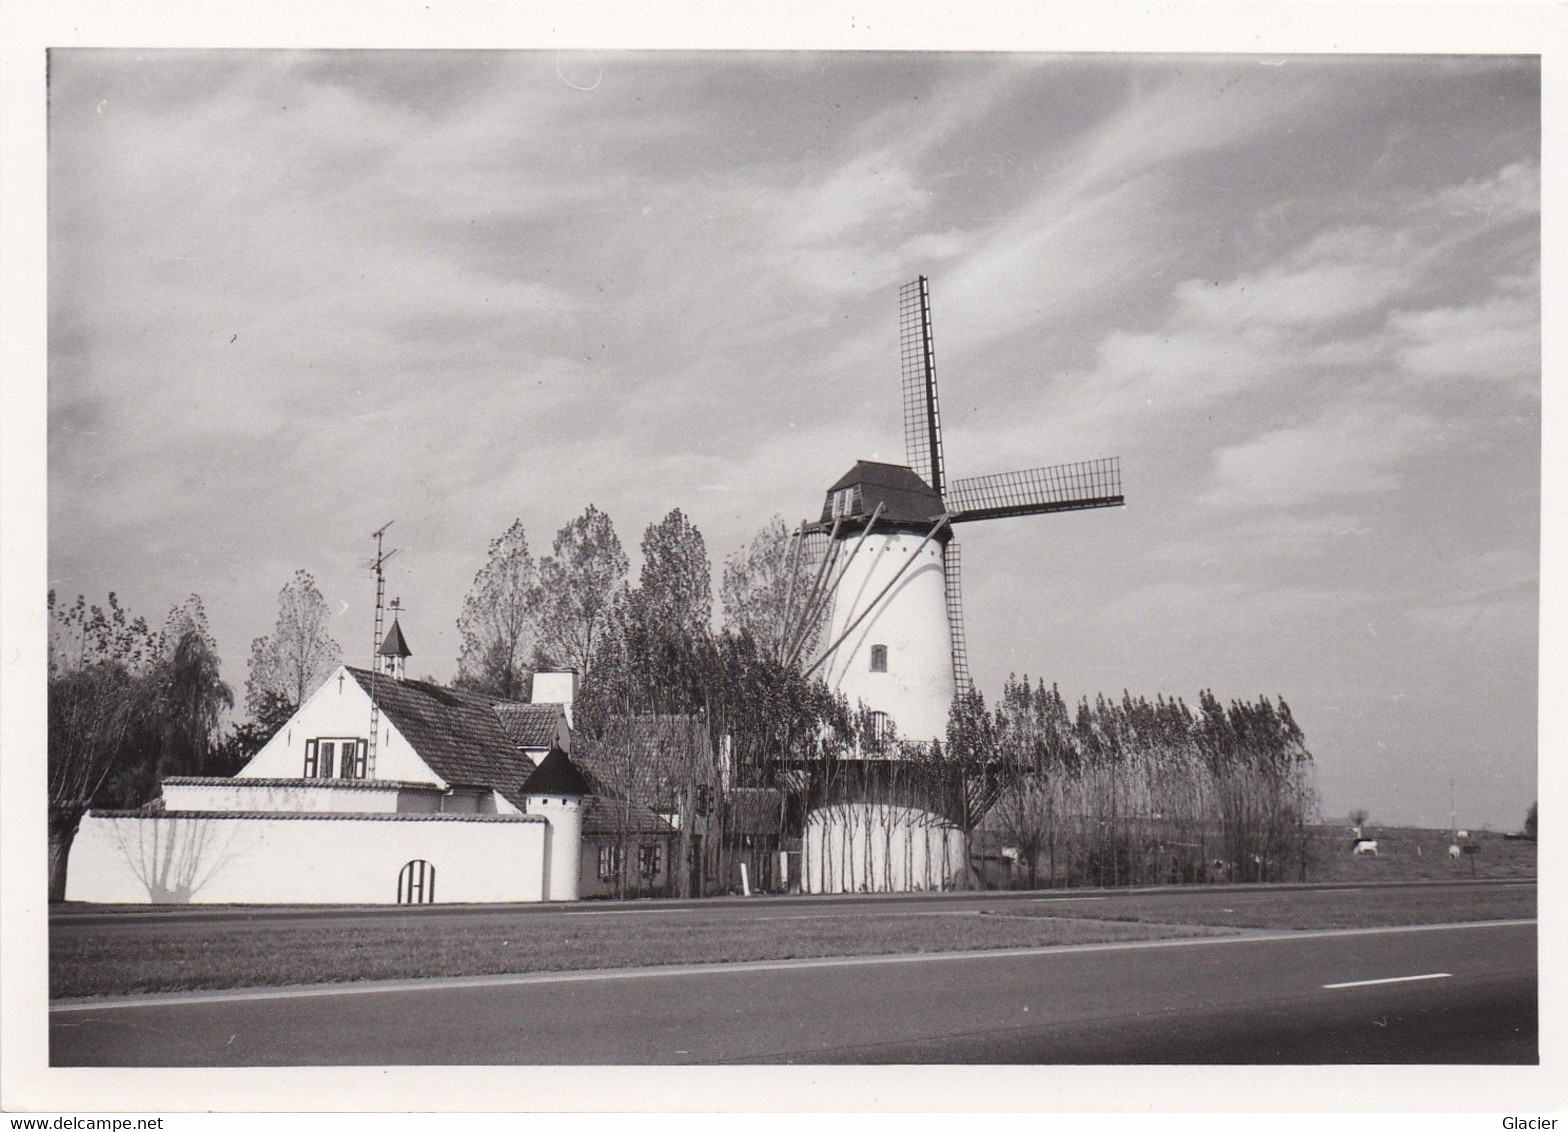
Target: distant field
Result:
[1419, 854]
[1265, 906]
[137, 953]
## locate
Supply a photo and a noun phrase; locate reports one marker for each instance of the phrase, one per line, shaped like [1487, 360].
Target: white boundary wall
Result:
[865, 847]
[302, 795]
[229, 858]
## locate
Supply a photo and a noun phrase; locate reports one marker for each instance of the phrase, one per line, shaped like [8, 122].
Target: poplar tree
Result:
[499, 620]
[580, 585]
[296, 659]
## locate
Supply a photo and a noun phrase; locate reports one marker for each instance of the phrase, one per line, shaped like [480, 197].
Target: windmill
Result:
[882, 566]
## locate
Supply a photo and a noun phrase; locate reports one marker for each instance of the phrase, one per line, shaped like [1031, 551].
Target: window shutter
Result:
[310, 758]
[359, 757]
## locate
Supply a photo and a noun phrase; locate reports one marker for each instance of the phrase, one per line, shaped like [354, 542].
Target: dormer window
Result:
[846, 502]
[879, 658]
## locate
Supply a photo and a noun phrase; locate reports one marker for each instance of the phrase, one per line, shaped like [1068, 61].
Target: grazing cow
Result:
[1364, 846]
[1454, 851]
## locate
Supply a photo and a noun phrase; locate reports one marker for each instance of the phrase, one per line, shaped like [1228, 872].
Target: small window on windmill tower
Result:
[879, 658]
[881, 728]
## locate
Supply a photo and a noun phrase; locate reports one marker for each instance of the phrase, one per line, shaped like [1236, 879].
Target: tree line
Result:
[1131, 791]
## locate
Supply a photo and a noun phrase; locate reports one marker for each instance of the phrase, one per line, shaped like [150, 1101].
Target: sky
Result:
[295, 295]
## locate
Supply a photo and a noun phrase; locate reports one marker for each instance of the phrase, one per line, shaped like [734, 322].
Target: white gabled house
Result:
[461, 798]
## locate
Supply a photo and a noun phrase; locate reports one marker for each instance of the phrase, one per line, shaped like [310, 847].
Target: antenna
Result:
[382, 558]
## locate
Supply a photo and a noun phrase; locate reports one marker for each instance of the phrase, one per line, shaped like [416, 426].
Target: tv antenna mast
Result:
[379, 567]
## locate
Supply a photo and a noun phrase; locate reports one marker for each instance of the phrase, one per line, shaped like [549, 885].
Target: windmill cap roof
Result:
[905, 497]
[394, 645]
[557, 774]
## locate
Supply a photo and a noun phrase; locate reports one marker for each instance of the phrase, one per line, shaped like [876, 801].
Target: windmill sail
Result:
[951, 563]
[1036, 491]
[917, 363]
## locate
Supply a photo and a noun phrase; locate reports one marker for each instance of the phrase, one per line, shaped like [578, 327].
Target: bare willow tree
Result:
[100, 664]
[191, 696]
[499, 619]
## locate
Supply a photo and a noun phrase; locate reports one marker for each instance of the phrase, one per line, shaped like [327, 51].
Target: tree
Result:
[766, 589]
[192, 696]
[1529, 821]
[298, 657]
[580, 586]
[498, 620]
[99, 667]
[1358, 816]
[966, 770]
[675, 588]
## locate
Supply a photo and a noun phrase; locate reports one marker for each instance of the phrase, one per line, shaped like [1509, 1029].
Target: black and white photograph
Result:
[643, 556]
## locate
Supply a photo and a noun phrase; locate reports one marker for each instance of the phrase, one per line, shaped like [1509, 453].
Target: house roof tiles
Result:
[459, 735]
[603, 815]
[530, 725]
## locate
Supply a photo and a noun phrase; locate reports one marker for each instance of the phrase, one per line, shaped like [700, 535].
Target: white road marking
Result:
[460, 982]
[1381, 982]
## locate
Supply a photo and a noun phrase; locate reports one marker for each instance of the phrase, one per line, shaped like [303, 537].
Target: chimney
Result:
[556, 688]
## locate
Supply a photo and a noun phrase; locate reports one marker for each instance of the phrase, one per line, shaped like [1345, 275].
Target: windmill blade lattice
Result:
[917, 364]
[1036, 491]
[951, 571]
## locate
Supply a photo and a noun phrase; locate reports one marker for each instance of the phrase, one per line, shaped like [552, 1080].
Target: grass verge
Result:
[144, 957]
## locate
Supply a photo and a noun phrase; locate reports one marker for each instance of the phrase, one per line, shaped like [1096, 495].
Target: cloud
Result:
[1497, 340]
[1348, 450]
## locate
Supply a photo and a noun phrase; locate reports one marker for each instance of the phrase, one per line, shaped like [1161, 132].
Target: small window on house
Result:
[609, 862]
[879, 658]
[335, 758]
[352, 753]
[650, 859]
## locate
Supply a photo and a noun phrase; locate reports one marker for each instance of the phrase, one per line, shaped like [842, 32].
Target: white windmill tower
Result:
[887, 575]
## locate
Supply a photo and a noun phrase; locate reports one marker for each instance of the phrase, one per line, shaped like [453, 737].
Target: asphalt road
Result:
[1466, 994]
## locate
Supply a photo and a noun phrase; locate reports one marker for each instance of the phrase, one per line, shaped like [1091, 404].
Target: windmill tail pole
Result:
[883, 592]
[791, 567]
[831, 586]
[787, 647]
